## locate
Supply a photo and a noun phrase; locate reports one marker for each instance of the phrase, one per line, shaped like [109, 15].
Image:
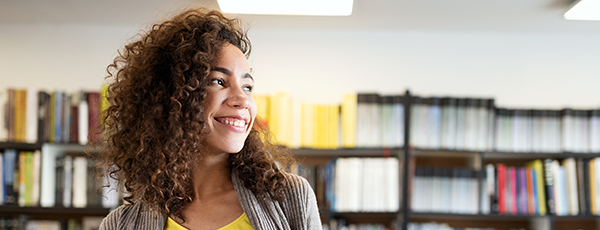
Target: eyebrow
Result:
[227, 72]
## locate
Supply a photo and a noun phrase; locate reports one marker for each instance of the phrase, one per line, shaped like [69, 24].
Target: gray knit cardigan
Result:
[299, 211]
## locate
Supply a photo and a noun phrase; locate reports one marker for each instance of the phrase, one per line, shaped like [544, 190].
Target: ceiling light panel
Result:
[288, 7]
[584, 10]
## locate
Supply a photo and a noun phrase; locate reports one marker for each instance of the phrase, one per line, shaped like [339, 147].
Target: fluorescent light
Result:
[288, 7]
[584, 10]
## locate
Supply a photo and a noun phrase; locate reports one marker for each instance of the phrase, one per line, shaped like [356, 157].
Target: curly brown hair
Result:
[154, 127]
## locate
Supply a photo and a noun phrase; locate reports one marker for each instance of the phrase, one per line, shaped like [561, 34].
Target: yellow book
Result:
[592, 174]
[319, 127]
[103, 98]
[348, 117]
[52, 115]
[20, 115]
[333, 126]
[537, 165]
[307, 139]
[280, 118]
[262, 109]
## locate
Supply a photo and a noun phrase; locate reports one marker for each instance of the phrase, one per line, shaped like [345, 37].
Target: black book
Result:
[60, 181]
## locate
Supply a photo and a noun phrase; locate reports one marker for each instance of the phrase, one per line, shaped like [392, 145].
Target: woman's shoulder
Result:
[131, 215]
[297, 185]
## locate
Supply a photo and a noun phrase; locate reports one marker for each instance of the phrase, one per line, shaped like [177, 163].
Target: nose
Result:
[239, 99]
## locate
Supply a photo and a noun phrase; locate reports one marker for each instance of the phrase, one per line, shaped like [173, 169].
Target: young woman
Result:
[181, 135]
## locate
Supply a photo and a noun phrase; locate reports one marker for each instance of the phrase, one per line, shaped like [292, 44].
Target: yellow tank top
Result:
[241, 223]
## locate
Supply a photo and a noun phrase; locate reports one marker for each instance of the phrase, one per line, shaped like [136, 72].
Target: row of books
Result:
[445, 190]
[360, 185]
[61, 180]
[23, 223]
[341, 224]
[362, 120]
[549, 186]
[438, 226]
[548, 130]
[50, 117]
[452, 123]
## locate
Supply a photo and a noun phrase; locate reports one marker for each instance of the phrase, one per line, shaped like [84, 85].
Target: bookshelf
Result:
[474, 157]
[442, 155]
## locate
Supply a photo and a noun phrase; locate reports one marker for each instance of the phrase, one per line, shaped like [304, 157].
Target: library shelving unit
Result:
[48, 213]
[411, 157]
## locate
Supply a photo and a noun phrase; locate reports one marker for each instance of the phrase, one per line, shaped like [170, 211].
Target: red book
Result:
[93, 100]
[530, 196]
[513, 190]
[74, 124]
[501, 174]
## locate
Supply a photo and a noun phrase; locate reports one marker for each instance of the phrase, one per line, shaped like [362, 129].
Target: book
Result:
[83, 118]
[569, 166]
[80, 182]
[31, 121]
[93, 101]
[349, 120]
[11, 186]
[549, 186]
[538, 169]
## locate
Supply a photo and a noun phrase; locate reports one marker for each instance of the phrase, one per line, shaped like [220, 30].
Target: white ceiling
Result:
[536, 16]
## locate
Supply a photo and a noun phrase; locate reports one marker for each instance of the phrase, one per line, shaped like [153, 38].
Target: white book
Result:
[339, 185]
[414, 122]
[48, 176]
[455, 192]
[398, 122]
[460, 124]
[392, 183]
[375, 128]
[35, 193]
[558, 191]
[80, 170]
[417, 193]
[368, 178]
[471, 121]
[31, 116]
[378, 195]
[482, 125]
[567, 134]
[572, 194]
[594, 131]
[356, 183]
[68, 190]
[448, 123]
[83, 119]
[435, 124]
[490, 125]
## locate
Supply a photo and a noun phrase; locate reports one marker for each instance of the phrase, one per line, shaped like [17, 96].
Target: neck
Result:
[212, 175]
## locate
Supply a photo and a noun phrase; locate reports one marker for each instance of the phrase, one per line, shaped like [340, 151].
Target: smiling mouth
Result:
[232, 122]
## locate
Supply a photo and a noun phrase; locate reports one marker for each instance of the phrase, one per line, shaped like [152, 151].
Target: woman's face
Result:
[229, 103]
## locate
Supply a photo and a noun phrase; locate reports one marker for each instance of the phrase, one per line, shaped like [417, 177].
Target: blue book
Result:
[58, 116]
[10, 166]
[536, 205]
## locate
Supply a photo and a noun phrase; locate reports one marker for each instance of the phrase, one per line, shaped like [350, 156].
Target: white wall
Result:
[518, 70]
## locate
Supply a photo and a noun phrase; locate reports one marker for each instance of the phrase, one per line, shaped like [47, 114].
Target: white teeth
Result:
[236, 123]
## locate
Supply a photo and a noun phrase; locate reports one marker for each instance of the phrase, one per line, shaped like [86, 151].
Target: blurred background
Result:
[524, 54]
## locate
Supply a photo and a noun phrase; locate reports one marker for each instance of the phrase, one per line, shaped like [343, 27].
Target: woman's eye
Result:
[217, 81]
[248, 88]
